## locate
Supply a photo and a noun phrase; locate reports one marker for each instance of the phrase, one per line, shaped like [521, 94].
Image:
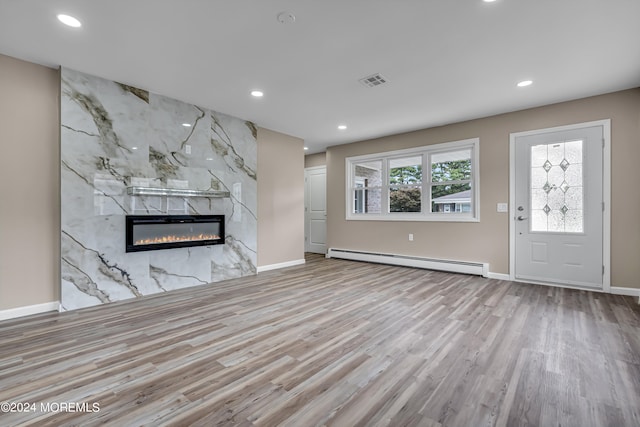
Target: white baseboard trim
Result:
[632, 292]
[498, 276]
[13, 313]
[280, 265]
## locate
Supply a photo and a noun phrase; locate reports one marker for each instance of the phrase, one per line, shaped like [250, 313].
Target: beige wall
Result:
[280, 198]
[29, 184]
[315, 160]
[488, 240]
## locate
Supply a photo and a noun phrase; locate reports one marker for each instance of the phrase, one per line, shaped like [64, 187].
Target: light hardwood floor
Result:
[335, 343]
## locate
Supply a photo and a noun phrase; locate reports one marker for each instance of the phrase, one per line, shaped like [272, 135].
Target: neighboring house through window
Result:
[456, 202]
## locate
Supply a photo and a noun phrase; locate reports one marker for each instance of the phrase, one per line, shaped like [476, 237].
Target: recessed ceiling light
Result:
[134, 148]
[69, 20]
[342, 127]
[525, 83]
[257, 93]
[488, 1]
[187, 125]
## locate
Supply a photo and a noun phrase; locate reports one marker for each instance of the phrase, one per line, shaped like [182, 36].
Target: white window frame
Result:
[358, 187]
[426, 215]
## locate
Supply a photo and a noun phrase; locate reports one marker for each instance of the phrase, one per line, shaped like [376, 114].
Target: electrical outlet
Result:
[411, 237]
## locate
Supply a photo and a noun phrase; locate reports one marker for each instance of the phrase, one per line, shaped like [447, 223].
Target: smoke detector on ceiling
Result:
[286, 17]
[373, 80]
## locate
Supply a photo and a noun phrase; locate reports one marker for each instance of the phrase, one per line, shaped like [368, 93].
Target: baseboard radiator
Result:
[475, 268]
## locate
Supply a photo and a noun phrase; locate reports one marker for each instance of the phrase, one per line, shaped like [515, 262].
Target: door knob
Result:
[521, 218]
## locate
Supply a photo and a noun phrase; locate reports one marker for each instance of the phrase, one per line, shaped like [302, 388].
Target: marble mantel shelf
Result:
[176, 192]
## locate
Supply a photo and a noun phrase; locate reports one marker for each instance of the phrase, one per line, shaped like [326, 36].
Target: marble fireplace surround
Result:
[116, 137]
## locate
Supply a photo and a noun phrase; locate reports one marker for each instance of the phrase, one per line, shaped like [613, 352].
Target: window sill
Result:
[415, 218]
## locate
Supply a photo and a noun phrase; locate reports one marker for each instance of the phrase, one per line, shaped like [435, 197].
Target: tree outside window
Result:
[405, 184]
[451, 176]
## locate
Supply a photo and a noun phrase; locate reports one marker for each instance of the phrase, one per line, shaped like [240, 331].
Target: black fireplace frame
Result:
[132, 220]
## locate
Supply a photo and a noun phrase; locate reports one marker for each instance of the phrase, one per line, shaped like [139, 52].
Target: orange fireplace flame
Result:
[175, 239]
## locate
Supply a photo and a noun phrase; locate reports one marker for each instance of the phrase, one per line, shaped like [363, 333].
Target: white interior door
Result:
[558, 207]
[316, 210]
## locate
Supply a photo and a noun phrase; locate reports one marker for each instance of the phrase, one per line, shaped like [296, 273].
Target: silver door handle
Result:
[521, 218]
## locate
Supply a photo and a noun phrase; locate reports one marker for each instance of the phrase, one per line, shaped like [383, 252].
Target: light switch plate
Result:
[503, 207]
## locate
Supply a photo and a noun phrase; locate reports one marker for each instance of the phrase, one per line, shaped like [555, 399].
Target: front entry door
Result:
[558, 216]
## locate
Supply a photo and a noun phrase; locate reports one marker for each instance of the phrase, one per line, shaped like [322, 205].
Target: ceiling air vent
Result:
[373, 80]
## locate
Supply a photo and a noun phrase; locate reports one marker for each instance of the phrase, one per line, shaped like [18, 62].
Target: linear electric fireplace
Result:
[151, 232]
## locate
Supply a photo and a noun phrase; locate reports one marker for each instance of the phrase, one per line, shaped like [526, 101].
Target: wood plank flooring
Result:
[336, 343]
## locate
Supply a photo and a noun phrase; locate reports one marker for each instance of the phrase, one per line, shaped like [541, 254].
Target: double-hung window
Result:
[431, 183]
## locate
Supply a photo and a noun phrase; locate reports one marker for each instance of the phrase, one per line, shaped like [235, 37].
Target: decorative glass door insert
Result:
[557, 187]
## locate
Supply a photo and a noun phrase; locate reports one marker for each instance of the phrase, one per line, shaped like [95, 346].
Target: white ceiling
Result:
[445, 60]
